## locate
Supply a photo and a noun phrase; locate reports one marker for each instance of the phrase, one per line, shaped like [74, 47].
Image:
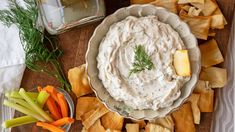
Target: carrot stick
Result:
[52, 91]
[39, 88]
[63, 121]
[51, 105]
[63, 104]
[49, 127]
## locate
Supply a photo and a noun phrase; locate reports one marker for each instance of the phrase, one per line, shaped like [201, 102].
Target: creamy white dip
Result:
[148, 89]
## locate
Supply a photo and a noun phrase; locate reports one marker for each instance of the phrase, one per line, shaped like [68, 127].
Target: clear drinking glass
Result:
[61, 15]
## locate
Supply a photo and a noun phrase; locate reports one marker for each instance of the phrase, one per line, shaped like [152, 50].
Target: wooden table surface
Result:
[74, 44]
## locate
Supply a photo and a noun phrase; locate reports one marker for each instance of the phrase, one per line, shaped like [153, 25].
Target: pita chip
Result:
[132, 127]
[166, 122]
[86, 104]
[184, 119]
[155, 128]
[183, 13]
[210, 53]
[199, 25]
[190, 1]
[206, 99]
[97, 127]
[193, 11]
[170, 5]
[186, 7]
[219, 12]
[217, 77]
[194, 99]
[90, 118]
[207, 8]
[217, 21]
[79, 80]
[112, 120]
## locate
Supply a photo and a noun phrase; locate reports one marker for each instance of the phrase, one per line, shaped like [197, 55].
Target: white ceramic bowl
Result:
[164, 16]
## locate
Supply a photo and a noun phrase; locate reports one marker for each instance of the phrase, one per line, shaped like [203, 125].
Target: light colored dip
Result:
[148, 89]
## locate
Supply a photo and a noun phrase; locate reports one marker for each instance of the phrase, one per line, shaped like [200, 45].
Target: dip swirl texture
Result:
[148, 89]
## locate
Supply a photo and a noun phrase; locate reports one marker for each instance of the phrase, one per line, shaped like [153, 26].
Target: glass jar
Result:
[61, 15]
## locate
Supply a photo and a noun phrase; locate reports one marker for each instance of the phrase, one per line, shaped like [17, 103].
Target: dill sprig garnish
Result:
[39, 57]
[142, 60]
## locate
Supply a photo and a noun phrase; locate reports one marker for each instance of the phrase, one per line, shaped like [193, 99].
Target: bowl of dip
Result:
[130, 62]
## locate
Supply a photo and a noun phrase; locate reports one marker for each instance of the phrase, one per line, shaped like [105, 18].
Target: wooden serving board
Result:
[74, 44]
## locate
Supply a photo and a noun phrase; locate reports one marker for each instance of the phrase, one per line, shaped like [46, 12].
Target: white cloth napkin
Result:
[12, 58]
[224, 114]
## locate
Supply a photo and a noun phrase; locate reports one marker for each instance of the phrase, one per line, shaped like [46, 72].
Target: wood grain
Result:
[74, 44]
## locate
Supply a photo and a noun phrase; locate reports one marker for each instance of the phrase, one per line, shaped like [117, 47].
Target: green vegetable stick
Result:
[42, 98]
[34, 105]
[23, 110]
[22, 103]
[7, 94]
[18, 121]
[15, 94]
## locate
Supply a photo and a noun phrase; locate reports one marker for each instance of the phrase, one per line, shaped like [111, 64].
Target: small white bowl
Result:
[164, 16]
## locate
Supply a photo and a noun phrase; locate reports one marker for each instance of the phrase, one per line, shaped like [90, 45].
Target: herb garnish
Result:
[39, 56]
[142, 60]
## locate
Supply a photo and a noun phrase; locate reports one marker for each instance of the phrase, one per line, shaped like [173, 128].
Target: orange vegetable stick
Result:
[52, 91]
[63, 105]
[39, 88]
[63, 121]
[49, 127]
[51, 105]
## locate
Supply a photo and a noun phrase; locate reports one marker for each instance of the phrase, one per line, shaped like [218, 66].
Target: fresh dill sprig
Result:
[142, 60]
[39, 57]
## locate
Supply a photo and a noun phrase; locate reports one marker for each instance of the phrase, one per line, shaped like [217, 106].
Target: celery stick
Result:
[34, 105]
[18, 121]
[7, 94]
[23, 110]
[22, 103]
[15, 94]
[42, 98]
